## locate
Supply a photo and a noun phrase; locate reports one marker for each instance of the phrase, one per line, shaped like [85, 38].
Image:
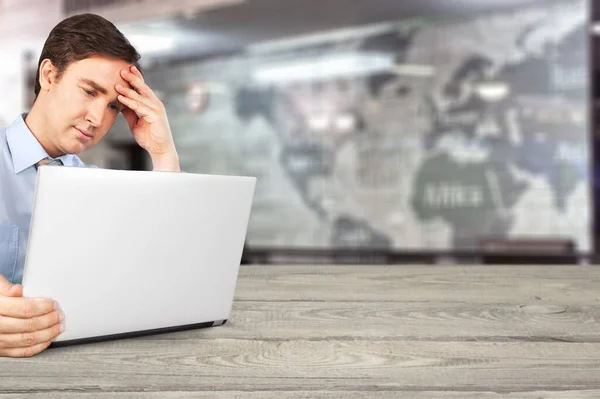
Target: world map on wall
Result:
[480, 130]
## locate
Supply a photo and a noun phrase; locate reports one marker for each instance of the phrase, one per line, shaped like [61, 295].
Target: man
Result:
[87, 74]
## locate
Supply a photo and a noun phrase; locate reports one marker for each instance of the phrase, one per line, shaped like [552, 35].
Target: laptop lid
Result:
[136, 252]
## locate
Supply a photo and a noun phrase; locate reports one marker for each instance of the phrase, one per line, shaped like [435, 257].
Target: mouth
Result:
[84, 135]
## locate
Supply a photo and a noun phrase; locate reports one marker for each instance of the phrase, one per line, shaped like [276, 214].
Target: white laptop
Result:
[131, 253]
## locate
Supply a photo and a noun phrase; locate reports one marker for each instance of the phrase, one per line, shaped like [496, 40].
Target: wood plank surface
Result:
[355, 332]
[590, 394]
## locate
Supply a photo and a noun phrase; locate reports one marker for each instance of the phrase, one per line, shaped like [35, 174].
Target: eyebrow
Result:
[94, 85]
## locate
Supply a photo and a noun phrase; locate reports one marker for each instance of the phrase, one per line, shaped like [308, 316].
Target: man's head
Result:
[77, 72]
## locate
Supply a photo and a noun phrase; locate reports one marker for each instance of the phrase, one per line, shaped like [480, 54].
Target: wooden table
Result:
[377, 332]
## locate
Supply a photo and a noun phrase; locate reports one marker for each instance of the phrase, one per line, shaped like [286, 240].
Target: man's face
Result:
[82, 105]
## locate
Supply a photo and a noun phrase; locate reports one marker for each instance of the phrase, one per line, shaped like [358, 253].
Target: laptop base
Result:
[136, 334]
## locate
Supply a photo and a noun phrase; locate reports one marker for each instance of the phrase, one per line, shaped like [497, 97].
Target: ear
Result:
[47, 74]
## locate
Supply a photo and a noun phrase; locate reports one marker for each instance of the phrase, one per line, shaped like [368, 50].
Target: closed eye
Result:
[90, 92]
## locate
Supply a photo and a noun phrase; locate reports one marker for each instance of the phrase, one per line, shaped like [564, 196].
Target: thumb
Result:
[131, 117]
[9, 289]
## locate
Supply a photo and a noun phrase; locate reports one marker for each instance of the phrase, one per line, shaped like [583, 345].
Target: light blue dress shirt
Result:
[19, 152]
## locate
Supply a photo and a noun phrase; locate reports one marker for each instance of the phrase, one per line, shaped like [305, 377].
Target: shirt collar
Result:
[25, 149]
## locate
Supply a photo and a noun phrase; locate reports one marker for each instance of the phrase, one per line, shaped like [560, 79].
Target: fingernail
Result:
[61, 316]
[62, 328]
[119, 86]
[133, 68]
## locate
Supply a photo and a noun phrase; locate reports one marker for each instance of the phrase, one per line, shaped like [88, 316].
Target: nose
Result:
[95, 113]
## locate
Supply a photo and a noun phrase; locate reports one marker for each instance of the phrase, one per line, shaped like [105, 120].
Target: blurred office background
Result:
[374, 127]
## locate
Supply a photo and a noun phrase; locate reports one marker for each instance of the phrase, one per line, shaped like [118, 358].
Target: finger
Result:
[131, 117]
[134, 95]
[26, 308]
[139, 108]
[137, 83]
[15, 291]
[133, 69]
[25, 352]
[23, 340]
[9, 289]
[13, 325]
[149, 92]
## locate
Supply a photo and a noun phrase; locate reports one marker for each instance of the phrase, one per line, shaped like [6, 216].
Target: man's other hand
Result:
[27, 325]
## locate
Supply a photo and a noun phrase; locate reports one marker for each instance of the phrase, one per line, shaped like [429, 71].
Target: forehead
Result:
[102, 70]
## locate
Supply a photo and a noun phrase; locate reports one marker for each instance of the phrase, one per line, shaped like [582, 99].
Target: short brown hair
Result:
[83, 36]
